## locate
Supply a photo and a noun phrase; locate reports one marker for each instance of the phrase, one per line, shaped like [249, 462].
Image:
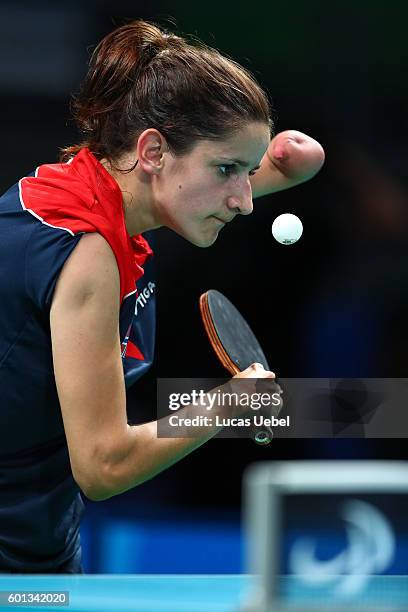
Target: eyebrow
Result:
[239, 162]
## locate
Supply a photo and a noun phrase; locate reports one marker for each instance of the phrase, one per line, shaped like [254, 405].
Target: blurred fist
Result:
[297, 155]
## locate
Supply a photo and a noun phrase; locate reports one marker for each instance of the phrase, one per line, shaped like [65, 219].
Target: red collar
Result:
[81, 196]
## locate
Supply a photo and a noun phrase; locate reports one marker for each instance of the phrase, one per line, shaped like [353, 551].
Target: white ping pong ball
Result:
[287, 228]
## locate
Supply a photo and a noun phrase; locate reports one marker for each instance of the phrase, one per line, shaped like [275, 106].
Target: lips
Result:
[223, 220]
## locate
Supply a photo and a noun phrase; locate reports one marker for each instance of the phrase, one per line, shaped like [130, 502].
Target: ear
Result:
[150, 148]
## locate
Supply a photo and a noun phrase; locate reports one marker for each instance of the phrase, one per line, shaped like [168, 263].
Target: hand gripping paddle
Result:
[233, 340]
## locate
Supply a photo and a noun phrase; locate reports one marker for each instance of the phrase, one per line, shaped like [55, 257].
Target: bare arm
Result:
[291, 158]
[107, 455]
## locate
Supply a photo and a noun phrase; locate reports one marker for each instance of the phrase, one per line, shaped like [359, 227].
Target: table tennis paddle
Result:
[233, 341]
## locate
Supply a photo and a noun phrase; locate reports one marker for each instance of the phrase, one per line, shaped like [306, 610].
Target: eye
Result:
[227, 169]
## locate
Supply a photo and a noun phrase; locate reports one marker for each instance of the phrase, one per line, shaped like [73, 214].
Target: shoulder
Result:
[90, 269]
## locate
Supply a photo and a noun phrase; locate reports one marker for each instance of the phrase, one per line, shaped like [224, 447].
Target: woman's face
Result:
[198, 193]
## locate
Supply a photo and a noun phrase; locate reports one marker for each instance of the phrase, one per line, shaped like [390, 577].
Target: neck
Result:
[137, 198]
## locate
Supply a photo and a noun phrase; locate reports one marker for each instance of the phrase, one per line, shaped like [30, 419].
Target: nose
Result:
[241, 202]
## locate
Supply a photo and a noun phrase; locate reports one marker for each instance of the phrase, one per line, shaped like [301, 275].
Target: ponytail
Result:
[141, 77]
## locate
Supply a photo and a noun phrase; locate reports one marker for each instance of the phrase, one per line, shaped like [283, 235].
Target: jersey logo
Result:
[144, 297]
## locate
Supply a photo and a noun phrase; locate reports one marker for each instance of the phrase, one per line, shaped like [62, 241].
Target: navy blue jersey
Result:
[42, 220]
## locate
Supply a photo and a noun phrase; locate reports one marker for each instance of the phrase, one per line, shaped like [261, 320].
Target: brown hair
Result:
[141, 77]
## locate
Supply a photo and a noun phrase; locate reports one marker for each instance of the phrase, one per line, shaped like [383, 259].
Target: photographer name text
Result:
[258, 420]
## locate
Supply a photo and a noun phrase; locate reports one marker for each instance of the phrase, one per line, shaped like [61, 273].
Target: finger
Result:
[259, 368]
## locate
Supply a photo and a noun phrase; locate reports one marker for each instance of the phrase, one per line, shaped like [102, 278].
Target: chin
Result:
[201, 241]
[204, 243]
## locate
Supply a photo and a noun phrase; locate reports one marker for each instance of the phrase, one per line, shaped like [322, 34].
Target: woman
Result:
[174, 134]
